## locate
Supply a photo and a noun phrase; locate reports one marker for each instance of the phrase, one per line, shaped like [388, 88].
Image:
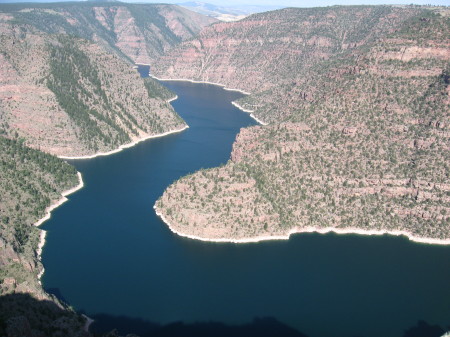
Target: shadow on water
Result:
[57, 293]
[423, 329]
[259, 327]
[24, 315]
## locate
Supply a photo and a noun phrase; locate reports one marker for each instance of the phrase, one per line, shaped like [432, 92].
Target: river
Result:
[108, 253]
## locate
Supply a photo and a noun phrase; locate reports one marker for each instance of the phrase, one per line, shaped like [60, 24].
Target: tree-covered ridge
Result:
[70, 73]
[75, 98]
[30, 181]
[359, 140]
[80, 84]
[67, 85]
[138, 32]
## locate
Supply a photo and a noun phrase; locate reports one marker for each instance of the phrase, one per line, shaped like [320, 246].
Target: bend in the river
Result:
[108, 253]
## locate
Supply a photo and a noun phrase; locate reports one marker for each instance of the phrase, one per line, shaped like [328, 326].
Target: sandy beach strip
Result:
[41, 242]
[250, 112]
[172, 99]
[58, 203]
[126, 146]
[326, 230]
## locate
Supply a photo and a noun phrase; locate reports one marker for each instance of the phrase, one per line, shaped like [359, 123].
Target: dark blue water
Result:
[107, 252]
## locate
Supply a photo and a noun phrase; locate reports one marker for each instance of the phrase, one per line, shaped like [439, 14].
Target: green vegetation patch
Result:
[75, 82]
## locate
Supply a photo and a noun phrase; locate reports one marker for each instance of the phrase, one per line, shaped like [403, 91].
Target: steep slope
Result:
[270, 53]
[78, 95]
[30, 181]
[137, 32]
[358, 141]
[74, 98]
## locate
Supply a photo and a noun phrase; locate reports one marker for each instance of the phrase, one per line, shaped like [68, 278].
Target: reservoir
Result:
[108, 254]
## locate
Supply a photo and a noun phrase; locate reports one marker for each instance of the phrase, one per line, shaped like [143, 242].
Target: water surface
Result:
[108, 253]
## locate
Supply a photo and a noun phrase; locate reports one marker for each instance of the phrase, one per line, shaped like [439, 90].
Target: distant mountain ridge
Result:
[226, 13]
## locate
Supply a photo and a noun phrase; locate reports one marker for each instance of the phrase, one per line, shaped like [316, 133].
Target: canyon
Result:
[356, 100]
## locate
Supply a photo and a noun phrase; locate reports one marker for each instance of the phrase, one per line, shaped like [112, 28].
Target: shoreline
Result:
[128, 145]
[62, 200]
[173, 99]
[194, 81]
[48, 214]
[212, 83]
[219, 85]
[250, 112]
[326, 230]
[88, 322]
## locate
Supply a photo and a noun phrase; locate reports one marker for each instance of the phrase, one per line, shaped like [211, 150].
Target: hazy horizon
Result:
[282, 3]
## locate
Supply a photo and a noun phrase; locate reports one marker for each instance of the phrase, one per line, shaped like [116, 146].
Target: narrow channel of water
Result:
[108, 253]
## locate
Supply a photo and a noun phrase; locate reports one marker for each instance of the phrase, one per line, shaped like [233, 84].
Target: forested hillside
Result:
[66, 77]
[75, 98]
[30, 181]
[138, 32]
[358, 100]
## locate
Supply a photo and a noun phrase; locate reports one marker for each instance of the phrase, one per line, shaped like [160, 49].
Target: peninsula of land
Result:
[357, 99]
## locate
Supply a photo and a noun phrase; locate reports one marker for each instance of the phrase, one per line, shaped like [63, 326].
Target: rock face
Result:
[359, 128]
[144, 32]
